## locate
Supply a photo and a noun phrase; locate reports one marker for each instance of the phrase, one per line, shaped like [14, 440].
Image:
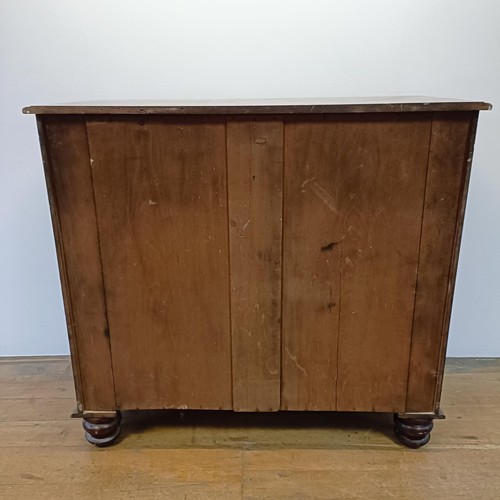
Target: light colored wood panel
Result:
[311, 263]
[370, 474]
[70, 190]
[169, 491]
[72, 473]
[214, 456]
[34, 381]
[43, 433]
[36, 367]
[383, 188]
[38, 389]
[449, 149]
[36, 408]
[255, 168]
[471, 424]
[160, 187]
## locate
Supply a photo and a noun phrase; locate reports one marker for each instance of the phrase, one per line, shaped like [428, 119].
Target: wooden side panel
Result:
[255, 169]
[72, 200]
[447, 168]
[350, 265]
[384, 187]
[311, 262]
[160, 185]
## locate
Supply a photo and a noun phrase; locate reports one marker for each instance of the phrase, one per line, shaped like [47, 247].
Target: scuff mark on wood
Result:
[321, 193]
[307, 181]
[295, 362]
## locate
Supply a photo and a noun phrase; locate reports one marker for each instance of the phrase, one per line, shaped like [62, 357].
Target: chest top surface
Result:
[262, 106]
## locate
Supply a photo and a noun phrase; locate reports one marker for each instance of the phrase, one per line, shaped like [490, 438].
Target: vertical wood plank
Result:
[255, 168]
[160, 185]
[383, 190]
[311, 263]
[445, 187]
[72, 201]
[354, 189]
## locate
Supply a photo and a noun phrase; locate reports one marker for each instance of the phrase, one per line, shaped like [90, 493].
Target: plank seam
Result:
[229, 264]
[65, 283]
[338, 329]
[419, 259]
[452, 273]
[282, 276]
[98, 231]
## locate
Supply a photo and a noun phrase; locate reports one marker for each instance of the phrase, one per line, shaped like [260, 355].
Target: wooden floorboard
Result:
[203, 455]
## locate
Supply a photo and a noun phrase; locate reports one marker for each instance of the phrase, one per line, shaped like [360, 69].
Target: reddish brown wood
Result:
[160, 187]
[384, 168]
[260, 262]
[255, 168]
[72, 199]
[448, 154]
[314, 105]
[311, 263]
[454, 261]
[102, 430]
[353, 191]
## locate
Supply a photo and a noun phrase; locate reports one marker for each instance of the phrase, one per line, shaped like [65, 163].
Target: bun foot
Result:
[413, 432]
[101, 429]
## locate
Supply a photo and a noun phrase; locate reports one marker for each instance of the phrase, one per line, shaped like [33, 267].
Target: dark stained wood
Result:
[56, 227]
[265, 106]
[255, 168]
[71, 197]
[448, 154]
[160, 187]
[384, 163]
[454, 259]
[102, 430]
[413, 432]
[311, 263]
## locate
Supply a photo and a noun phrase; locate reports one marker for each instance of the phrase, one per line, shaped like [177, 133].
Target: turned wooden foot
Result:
[413, 432]
[101, 429]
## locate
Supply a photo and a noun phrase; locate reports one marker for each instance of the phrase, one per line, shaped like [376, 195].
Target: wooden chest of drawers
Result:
[259, 256]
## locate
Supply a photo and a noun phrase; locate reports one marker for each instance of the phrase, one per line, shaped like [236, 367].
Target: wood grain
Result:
[311, 263]
[255, 168]
[353, 206]
[263, 106]
[259, 262]
[232, 455]
[72, 200]
[374, 474]
[383, 187]
[448, 155]
[160, 187]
